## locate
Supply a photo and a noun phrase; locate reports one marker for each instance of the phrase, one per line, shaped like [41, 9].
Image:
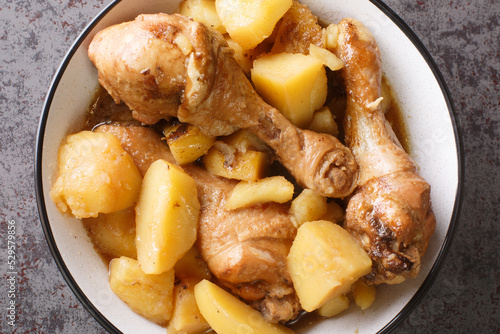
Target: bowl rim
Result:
[398, 318]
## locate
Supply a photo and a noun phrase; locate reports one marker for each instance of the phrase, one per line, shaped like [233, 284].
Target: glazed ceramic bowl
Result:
[427, 111]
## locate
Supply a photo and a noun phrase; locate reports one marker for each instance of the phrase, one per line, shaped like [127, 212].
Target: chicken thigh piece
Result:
[163, 66]
[245, 249]
[390, 213]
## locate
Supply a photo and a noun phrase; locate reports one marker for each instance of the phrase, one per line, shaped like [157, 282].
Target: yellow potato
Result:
[323, 121]
[270, 189]
[334, 306]
[364, 295]
[232, 164]
[249, 22]
[293, 83]
[243, 140]
[192, 265]
[148, 295]
[95, 175]
[326, 57]
[334, 213]
[243, 57]
[166, 217]
[308, 206]
[186, 317]
[226, 314]
[202, 11]
[324, 261]
[186, 142]
[113, 234]
[332, 37]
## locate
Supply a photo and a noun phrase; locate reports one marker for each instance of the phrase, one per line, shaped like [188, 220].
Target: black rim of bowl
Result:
[419, 294]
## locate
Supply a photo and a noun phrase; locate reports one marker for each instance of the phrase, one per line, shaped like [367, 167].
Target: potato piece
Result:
[334, 213]
[227, 314]
[148, 295]
[231, 164]
[243, 57]
[95, 175]
[187, 142]
[364, 295]
[308, 206]
[326, 57]
[249, 22]
[166, 217]
[323, 121]
[332, 37]
[270, 189]
[186, 316]
[244, 140]
[202, 11]
[323, 262]
[113, 234]
[295, 84]
[334, 306]
[192, 265]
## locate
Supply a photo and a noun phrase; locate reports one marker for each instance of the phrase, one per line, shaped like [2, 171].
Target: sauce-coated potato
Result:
[324, 262]
[166, 217]
[226, 314]
[148, 295]
[95, 176]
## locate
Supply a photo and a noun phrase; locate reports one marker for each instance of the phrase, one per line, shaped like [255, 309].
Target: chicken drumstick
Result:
[390, 213]
[166, 66]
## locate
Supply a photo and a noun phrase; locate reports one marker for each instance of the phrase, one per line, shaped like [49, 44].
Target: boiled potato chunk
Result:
[249, 22]
[334, 306]
[324, 261]
[226, 314]
[334, 213]
[95, 175]
[202, 11]
[323, 121]
[269, 189]
[148, 295]
[113, 234]
[166, 217]
[307, 206]
[364, 295]
[243, 57]
[192, 265]
[326, 57]
[332, 36]
[186, 316]
[243, 140]
[187, 142]
[293, 83]
[232, 164]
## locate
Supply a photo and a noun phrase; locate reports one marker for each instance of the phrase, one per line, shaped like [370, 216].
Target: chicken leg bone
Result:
[390, 213]
[166, 66]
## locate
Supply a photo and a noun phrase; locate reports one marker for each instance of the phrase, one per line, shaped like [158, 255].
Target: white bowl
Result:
[428, 113]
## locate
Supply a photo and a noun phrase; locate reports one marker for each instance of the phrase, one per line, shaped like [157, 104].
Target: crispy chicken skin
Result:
[167, 65]
[245, 249]
[390, 213]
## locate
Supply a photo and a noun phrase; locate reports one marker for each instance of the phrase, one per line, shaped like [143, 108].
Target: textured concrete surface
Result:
[462, 37]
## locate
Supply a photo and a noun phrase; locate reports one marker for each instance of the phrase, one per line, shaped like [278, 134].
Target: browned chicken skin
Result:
[245, 249]
[390, 213]
[163, 66]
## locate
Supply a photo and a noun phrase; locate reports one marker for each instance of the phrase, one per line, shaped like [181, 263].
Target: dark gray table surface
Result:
[463, 39]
